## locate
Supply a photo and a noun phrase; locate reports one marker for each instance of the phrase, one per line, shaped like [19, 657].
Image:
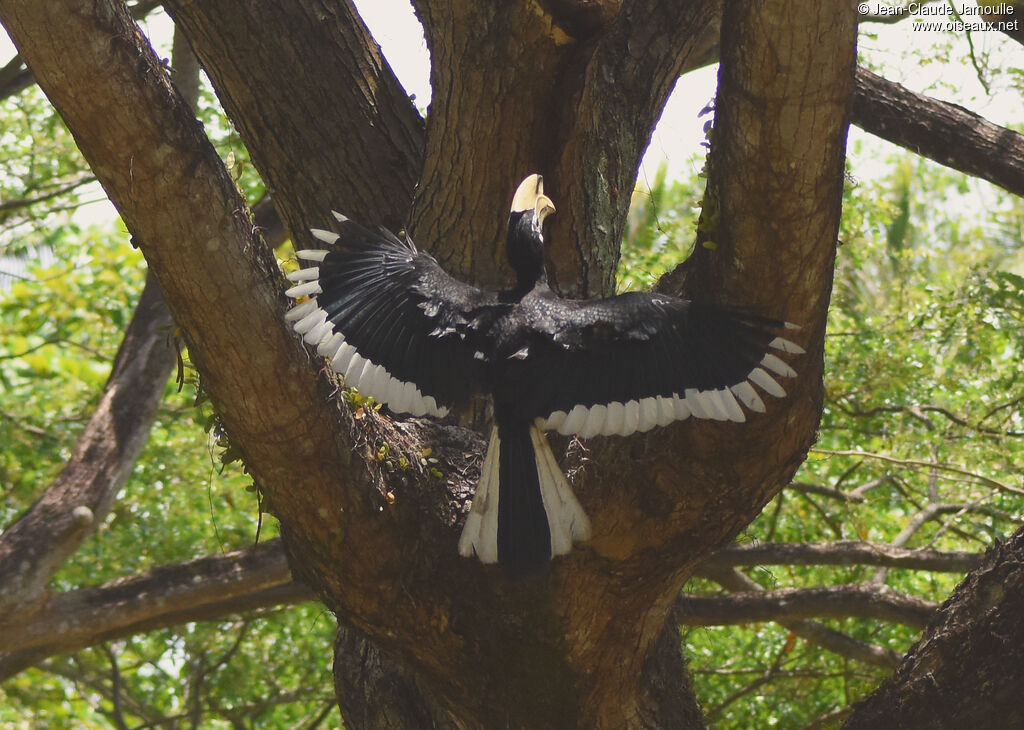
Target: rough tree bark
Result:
[569, 92]
[965, 670]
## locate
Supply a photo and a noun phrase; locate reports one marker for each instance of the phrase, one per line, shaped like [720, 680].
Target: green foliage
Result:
[41, 170]
[261, 671]
[59, 329]
[659, 231]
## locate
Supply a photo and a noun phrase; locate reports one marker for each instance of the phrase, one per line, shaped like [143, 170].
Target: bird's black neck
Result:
[525, 250]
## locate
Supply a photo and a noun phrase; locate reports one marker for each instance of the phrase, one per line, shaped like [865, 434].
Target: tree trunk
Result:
[566, 89]
[965, 672]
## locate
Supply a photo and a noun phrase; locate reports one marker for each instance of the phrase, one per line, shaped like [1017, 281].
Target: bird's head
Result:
[525, 238]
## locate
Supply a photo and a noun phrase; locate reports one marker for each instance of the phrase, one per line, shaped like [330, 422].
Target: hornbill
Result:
[399, 329]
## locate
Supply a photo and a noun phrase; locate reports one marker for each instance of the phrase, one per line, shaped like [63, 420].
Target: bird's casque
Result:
[400, 329]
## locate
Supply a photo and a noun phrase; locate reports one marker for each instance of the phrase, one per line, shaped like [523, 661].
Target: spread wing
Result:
[390, 320]
[638, 360]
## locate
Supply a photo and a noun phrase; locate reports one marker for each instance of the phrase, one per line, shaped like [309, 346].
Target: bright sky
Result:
[678, 137]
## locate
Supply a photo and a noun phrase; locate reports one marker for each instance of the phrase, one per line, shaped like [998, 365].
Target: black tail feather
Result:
[524, 538]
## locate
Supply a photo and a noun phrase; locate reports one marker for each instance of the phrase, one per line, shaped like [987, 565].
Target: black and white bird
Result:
[399, 329]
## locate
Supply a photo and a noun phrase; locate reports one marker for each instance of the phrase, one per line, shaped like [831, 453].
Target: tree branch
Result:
[921, 464]
[935, 510]
[944, 132]
[15, 76]
[825, 491]
[7, 206]
[842, 553]
[845, 646]
[198, 590]
[918, 412]
[597, 169]
[364, 157]
[88, 676]
[791, 604]
[830, 639]
[211, 588]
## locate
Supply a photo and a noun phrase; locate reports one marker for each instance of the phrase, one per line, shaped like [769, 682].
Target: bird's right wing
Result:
[637, 360]
[390, 320]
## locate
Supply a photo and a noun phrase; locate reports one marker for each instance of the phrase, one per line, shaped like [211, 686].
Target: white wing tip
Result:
[781, 343]
[778, 366]
[311, 320]
[767, 382]
[306, 289]
[328, 237]
[300, 310]
[307, 274]
[329, 346]
[312, 254]
[748, 396]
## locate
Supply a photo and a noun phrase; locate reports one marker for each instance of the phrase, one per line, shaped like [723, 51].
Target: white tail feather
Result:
[480, 535]
[567, 521]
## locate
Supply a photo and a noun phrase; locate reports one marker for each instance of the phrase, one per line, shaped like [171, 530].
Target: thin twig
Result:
[921, 464]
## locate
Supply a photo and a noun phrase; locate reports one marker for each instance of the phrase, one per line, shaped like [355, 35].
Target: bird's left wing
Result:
[638, 360]
[390, 320]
